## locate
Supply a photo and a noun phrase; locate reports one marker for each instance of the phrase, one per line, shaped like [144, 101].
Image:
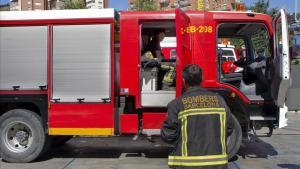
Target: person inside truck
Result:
[152, 56]
[154, 45]
[145, 43]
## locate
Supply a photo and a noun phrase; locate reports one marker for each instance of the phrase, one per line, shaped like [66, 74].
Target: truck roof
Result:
[230, 16]
[57, 14]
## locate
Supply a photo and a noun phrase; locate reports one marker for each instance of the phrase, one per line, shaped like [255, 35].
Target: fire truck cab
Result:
[80, 73]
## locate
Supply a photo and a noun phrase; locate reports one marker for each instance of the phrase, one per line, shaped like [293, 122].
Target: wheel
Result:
[235, 139]
[60, 140]
[22, 136]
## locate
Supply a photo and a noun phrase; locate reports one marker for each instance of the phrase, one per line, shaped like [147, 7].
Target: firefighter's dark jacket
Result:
[198, 123]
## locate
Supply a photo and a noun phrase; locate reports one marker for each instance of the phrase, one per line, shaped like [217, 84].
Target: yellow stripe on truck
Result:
[82, 131]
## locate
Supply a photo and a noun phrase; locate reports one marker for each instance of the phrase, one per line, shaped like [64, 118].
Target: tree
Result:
[4, 7]
[262, 6]
[273, 12]
[144, 5]
[74, 4]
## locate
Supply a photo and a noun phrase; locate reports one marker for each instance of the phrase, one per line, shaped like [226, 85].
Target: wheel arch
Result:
[34, 103]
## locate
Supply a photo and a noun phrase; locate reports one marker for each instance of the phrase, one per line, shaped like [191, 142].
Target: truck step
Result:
[262, 118]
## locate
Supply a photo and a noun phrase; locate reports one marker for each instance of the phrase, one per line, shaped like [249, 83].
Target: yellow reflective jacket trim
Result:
[200, 113]
[201, 110]
[184, 137]
[197, 164]
[223, 137]
[198, 157]
[219, 159]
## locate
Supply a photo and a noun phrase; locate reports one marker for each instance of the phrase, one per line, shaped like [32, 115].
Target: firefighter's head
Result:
[160, 34]
[192, 75]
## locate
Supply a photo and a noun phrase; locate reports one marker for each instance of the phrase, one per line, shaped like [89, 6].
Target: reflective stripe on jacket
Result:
[197, 124]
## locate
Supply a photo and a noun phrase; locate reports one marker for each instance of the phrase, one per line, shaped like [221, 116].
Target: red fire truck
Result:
[79, 73]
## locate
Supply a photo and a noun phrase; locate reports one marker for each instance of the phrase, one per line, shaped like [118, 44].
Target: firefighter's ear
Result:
[183, 84]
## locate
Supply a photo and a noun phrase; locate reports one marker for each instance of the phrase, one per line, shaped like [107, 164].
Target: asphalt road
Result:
[281, 151]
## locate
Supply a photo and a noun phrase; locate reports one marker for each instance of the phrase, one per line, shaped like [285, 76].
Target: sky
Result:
[289, 5]
[118, 4]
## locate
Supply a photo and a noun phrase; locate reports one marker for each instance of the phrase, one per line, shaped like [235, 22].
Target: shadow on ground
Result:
[256, 148]
[289, 166]
[108, 148]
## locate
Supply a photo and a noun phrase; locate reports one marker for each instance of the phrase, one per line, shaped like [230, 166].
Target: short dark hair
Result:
[192, 74]
[158, 31]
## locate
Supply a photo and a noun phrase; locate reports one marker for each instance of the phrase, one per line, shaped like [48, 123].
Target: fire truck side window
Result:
[251, 45]
[261, 44]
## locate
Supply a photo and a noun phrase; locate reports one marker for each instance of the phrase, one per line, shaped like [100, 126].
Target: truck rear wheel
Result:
[235, 139]
[22, 136]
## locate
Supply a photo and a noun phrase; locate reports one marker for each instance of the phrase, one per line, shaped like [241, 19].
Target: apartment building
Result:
[15, 5]
[24, 5]
[96, 4]
[55, 4]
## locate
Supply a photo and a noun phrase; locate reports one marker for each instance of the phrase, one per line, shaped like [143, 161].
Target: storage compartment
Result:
[82, 63]
[23, 57]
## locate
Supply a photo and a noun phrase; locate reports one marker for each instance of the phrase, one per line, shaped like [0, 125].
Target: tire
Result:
[235, 139]
[22, 136]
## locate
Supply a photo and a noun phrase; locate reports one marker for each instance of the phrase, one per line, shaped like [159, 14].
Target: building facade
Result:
[96, 4]
[207, 5]
[33, 5]
[18, 5]
[15, 5]
[24, 5]
[55, 4]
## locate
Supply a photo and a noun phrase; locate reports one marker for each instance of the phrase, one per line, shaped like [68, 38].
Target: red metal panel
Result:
[77, 115]
[153, 120]
[129, 123]
[184, 47]
[129, 56]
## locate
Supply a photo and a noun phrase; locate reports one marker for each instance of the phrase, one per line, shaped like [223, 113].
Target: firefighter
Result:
[154, 45]
[197, 125]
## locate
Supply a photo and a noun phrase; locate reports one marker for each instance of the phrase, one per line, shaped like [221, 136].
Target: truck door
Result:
[281, 62]
[183, 46]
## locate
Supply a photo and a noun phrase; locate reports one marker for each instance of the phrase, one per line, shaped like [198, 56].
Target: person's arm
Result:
[170, 129]
[159, 55]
